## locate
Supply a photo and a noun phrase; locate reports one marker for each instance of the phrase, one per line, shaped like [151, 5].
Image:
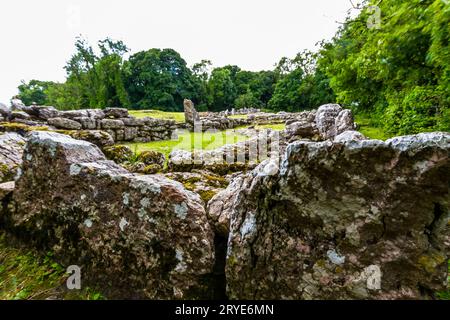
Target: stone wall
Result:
[115, 121]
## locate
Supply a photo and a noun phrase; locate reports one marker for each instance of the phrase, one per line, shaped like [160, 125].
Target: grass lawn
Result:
[369, 130]
[177, 116]
[190, 141]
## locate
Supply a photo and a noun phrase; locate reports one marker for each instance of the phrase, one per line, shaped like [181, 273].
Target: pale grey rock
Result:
[115, 113]
[349, 135]
[63, 123]
[87, 123]
[191, 115]
[11, 150]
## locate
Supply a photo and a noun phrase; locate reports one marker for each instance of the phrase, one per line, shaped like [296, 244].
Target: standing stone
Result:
[190, 114]
[326, 120]
[344, 121]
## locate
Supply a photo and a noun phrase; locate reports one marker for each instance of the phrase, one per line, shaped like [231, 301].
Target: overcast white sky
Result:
[37, 37]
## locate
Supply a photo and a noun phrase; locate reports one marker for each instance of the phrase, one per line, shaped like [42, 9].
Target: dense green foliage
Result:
[159, 78]
[395, 72]
[398, 72]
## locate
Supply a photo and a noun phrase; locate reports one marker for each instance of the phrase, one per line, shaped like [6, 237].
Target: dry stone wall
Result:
[114, 121]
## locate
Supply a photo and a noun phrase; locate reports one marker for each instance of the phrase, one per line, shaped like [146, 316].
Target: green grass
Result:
[274, 126]
[367, 128]
[446, 294]
[190, 141]
[25, 274]
[238, 116]
[177, 116]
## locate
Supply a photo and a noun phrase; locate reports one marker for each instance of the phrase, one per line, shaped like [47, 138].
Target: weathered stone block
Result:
[112, 124]
[115, 113]
[130, 133]
[135, 236]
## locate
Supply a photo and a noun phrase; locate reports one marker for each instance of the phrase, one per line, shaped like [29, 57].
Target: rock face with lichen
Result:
[204, 183]
[230, 158]
[144, 236]
[355, 219]
[11, 149]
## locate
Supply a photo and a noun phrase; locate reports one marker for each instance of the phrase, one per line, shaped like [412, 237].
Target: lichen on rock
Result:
[93, 213]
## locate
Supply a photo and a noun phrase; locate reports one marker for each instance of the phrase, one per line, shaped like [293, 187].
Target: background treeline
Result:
[397, 73]
[161, 79]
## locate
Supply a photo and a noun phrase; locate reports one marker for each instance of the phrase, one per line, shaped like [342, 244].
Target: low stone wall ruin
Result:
[115, 121]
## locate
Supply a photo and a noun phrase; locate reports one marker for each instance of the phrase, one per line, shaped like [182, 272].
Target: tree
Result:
[160, 79]
[287, 95]
[202, 71]
[247, 100]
